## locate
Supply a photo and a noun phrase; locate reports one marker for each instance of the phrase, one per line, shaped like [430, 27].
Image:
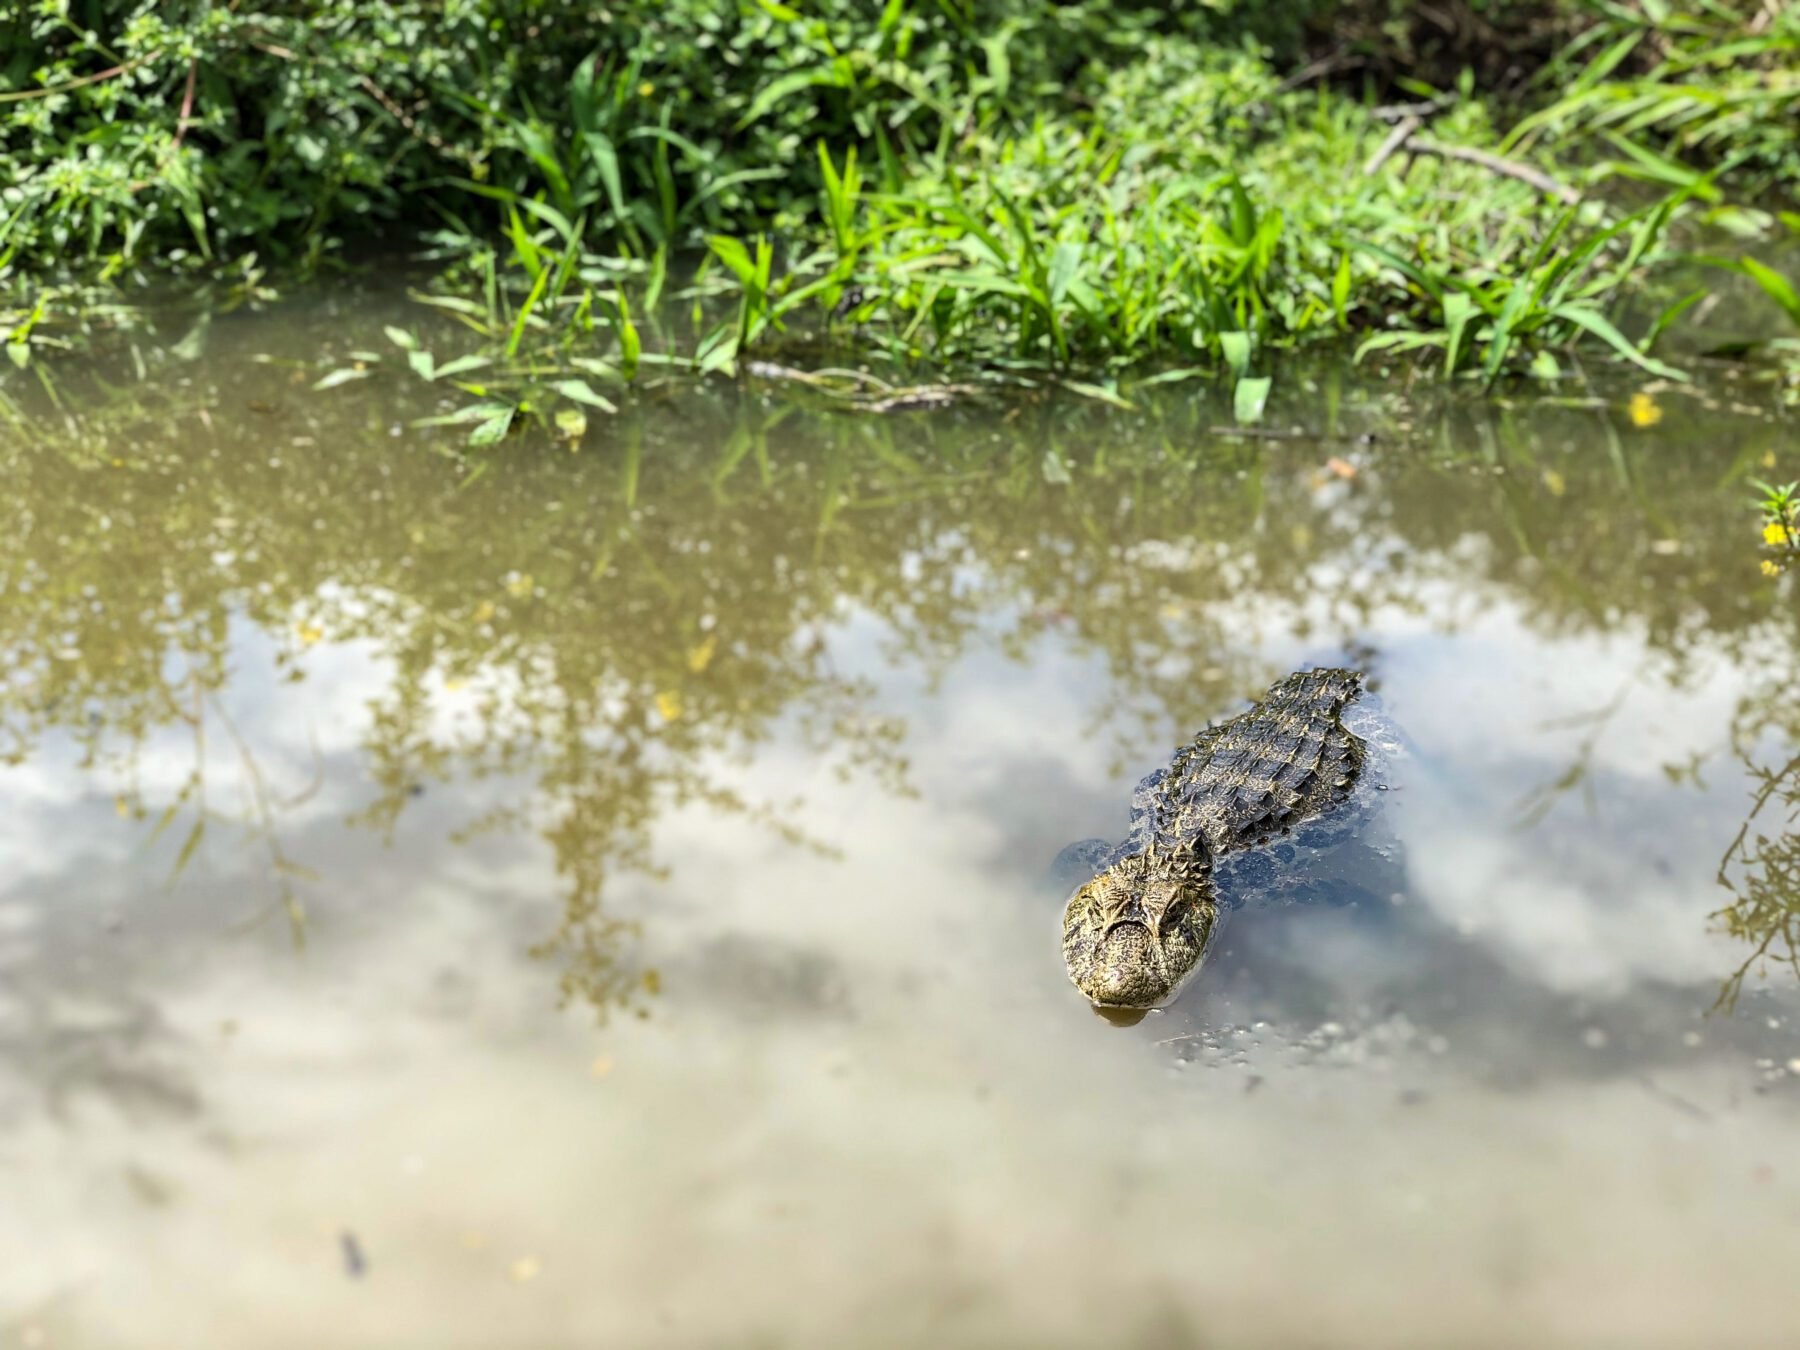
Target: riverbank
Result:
[1097, 197]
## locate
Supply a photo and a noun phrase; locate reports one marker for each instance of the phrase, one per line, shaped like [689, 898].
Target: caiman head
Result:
[1136, 931]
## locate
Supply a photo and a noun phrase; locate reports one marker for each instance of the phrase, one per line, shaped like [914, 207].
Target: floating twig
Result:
[914, 400]
[831, 381]
[1294, 434]
[819, 379]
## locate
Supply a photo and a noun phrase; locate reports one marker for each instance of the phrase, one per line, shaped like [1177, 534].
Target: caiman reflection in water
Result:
[1143, 924]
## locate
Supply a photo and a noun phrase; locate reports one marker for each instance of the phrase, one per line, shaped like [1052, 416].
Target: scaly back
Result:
[1284, 761]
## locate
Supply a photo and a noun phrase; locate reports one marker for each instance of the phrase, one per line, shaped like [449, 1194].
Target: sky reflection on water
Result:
[620, 907]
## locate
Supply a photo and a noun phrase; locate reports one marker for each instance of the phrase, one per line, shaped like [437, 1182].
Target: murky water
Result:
[605, 903]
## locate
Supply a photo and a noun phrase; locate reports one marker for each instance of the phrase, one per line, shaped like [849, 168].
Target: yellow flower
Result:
[1771, 568]
[1775, 533]
[309, 633]
[668, 703]
[646, 89]
[519, 586]
[1643, 410]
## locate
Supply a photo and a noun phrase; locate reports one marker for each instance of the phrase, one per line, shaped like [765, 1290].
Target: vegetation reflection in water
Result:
[632, 617]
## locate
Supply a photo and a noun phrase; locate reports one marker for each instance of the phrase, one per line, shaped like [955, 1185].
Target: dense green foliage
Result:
[310, 119]
[1086, 186]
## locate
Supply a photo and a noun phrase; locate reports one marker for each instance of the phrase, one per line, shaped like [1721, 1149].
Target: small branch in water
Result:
[1268, 433]
[824, 379]
[1293, 434]
[831, 382]
[912, 400]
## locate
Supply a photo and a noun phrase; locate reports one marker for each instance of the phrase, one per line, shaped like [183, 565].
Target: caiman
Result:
[1142, 923]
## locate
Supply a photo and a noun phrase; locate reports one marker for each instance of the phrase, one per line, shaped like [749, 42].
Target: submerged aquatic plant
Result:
[1761, 869]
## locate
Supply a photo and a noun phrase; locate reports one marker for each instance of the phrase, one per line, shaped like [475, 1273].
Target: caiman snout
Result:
[1127, 972]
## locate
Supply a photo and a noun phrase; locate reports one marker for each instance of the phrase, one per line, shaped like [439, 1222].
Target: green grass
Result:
[1191, 225]
[1663, 85]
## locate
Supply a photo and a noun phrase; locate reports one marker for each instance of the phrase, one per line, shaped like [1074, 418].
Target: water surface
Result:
[604, 902]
